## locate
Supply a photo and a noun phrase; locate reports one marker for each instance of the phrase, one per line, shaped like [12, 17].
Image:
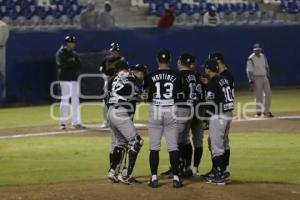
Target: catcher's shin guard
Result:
[134, 148]
[117, 158]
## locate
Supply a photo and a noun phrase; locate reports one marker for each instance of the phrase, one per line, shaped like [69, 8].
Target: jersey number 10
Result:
[228, 94]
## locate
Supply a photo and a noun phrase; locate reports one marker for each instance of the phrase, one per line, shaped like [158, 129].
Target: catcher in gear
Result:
[121, 106]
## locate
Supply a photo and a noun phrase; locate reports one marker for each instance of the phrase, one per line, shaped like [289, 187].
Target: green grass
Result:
[282, 101]
[255, 157]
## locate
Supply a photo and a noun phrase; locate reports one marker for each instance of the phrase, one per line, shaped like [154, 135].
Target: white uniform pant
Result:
[69, 91]
[262, 93]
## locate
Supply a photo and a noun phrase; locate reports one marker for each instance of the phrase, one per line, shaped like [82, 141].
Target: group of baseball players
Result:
[180, 102]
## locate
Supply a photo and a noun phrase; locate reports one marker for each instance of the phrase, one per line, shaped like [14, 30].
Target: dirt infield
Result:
[194, 189]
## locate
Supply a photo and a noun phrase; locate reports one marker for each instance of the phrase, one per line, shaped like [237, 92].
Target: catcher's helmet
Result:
[70, 39]
[114, 47]
[139, 67]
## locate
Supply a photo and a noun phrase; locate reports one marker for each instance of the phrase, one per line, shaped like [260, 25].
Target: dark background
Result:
[31, 55]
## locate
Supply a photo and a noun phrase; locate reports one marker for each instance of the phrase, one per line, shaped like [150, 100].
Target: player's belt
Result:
[228, 107]
[163, 102]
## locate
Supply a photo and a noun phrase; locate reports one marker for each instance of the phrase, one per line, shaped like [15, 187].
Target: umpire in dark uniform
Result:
[108, 68]
[69, 65]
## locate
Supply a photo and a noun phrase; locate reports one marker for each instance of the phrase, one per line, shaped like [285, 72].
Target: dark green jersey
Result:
[68, 64]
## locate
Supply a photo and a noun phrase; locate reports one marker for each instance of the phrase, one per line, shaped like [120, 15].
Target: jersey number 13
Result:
[168, 90]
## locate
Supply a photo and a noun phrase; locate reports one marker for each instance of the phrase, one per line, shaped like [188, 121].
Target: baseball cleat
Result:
[258, 115]
[217, 181]
[208, 175]
[62, 127]
[153, 182]
[216, 178]
[78, 126]
[128, 180]
[195, 171]
[268, 115]
[112, 176]
[177, 182]
[134, 181]
[227, 176]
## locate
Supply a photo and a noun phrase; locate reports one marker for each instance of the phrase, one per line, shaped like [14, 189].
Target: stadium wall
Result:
[31, 55]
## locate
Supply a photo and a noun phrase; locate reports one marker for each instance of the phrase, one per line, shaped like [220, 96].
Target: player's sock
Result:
[197, 156]
[181, 158]
[174, 161]
[188, 155]
[154, 177]
[154, 161]
[117, 157]
[227, 157]
[219, 163]
[176, 178]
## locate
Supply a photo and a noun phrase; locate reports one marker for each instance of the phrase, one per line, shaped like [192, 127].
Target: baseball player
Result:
[219, 95]
[197, 123]
[162, 86]
[185, 104]
[191, 94]
[139, 72]
[68, 64]
[224, 71]
[121, 106]
[108, 69]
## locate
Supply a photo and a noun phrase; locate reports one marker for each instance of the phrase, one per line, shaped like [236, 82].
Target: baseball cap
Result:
[257, 46]
[187, 59]
[114, 47]
[107, 3]
[212, 8]
[212, 65]
[139, 67]
[70, 39]
[164, 56]
[216, 55]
